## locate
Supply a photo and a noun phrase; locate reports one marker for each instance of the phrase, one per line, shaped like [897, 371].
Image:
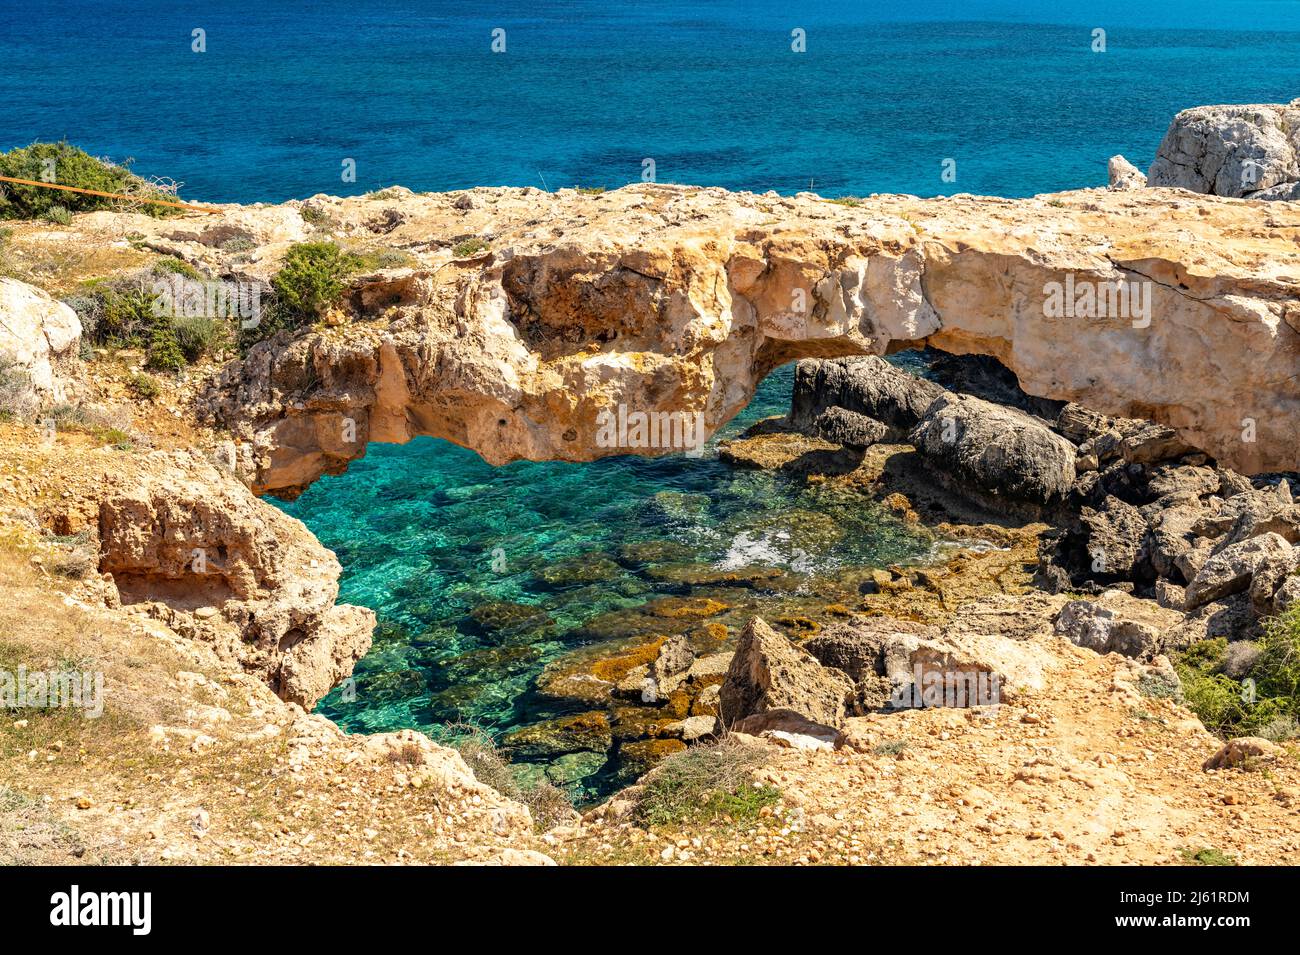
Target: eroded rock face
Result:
[678, 300]
[39, 341]
[1247, 151]
[186, 541]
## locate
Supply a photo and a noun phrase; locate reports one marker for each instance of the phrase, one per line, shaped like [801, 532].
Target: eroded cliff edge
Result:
[676, 299]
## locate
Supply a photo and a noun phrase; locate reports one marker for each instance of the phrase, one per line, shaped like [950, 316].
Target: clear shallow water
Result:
[585, 92]
[445, 547]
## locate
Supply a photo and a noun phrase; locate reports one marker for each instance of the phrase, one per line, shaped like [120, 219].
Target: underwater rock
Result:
[564, 734]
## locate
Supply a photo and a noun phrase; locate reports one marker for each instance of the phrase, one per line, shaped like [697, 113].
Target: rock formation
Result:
[676, 301]
[186, 541]
[1251, 152]
[39, 340]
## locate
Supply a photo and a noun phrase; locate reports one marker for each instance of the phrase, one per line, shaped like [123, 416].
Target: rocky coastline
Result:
[1103, 507]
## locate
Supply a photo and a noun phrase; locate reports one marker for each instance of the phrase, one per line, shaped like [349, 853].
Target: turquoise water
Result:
[442, 546]
[483, 577]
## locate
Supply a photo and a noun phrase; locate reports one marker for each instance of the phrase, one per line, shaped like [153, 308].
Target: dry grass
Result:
[59, 266]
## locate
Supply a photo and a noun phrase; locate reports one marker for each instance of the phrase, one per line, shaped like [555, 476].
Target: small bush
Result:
[469, 248]
[164, 350]
[705, 782]
[59, 215]
[144, 386]
[590, 190]
[892, 748]
[312, 280]
[72, 167]
[172, 266]
[1207, 857]
[1269, 698]
[200, 336]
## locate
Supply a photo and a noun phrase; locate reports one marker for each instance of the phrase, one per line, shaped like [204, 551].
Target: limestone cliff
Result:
[1149, 304]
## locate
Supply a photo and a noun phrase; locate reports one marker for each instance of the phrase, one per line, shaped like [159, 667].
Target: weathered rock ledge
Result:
[679, 300]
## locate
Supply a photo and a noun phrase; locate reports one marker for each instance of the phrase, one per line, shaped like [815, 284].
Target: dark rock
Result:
[1230, 570]
[849, 428]
[566, 734]
[1116, 541]
[1004, 452]
[866, 385]
[1155, 442]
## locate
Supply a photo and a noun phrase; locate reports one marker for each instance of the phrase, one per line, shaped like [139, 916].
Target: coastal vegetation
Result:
[66, 165]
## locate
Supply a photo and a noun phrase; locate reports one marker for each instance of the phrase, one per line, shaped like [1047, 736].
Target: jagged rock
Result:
[1116, 623]
[1123, 175]
[1170, 596]
[1153, 443]
[1244, 751]
[1116, 544]
[768, 672]
[1172, 535]
[1287, 595]
[183, 536]
[1004, 452]
[668, 670]
[1261, 512]
[900, 664]
[1231, 618]
[1270, 575]
[1183, 482]
[1230, 150]
[39, 343]
[849, 428]
[983, 376]
[1230, 570]
[867, 386]
[1081, 424]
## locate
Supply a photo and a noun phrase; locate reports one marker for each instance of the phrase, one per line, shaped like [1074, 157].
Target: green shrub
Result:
[1207, 857]
[200, 336]
[590, 190]
[705, 782]
[164, 350]
[1267, 701]
[312, 280]
[171, 266]
[144, 386]
[59, 215]
[469, 248]
[72, 167]
[16, 396]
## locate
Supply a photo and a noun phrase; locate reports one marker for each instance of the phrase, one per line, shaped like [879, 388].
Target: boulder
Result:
[1237, 151]
[39, 344]
[1117, 535]
[668, 670]
[849, 428]
[1155, 442]
[790, 729]
[1116, 623]
[866, 385]
[1123, 175]
[1230, 570]
[902, 664]
[1171, 534]
[1004, 453]
[768, 672]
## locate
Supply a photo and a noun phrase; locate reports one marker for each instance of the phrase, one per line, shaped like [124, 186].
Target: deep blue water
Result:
[553, 556]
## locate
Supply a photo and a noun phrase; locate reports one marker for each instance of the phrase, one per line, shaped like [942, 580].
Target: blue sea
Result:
[484, 577]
